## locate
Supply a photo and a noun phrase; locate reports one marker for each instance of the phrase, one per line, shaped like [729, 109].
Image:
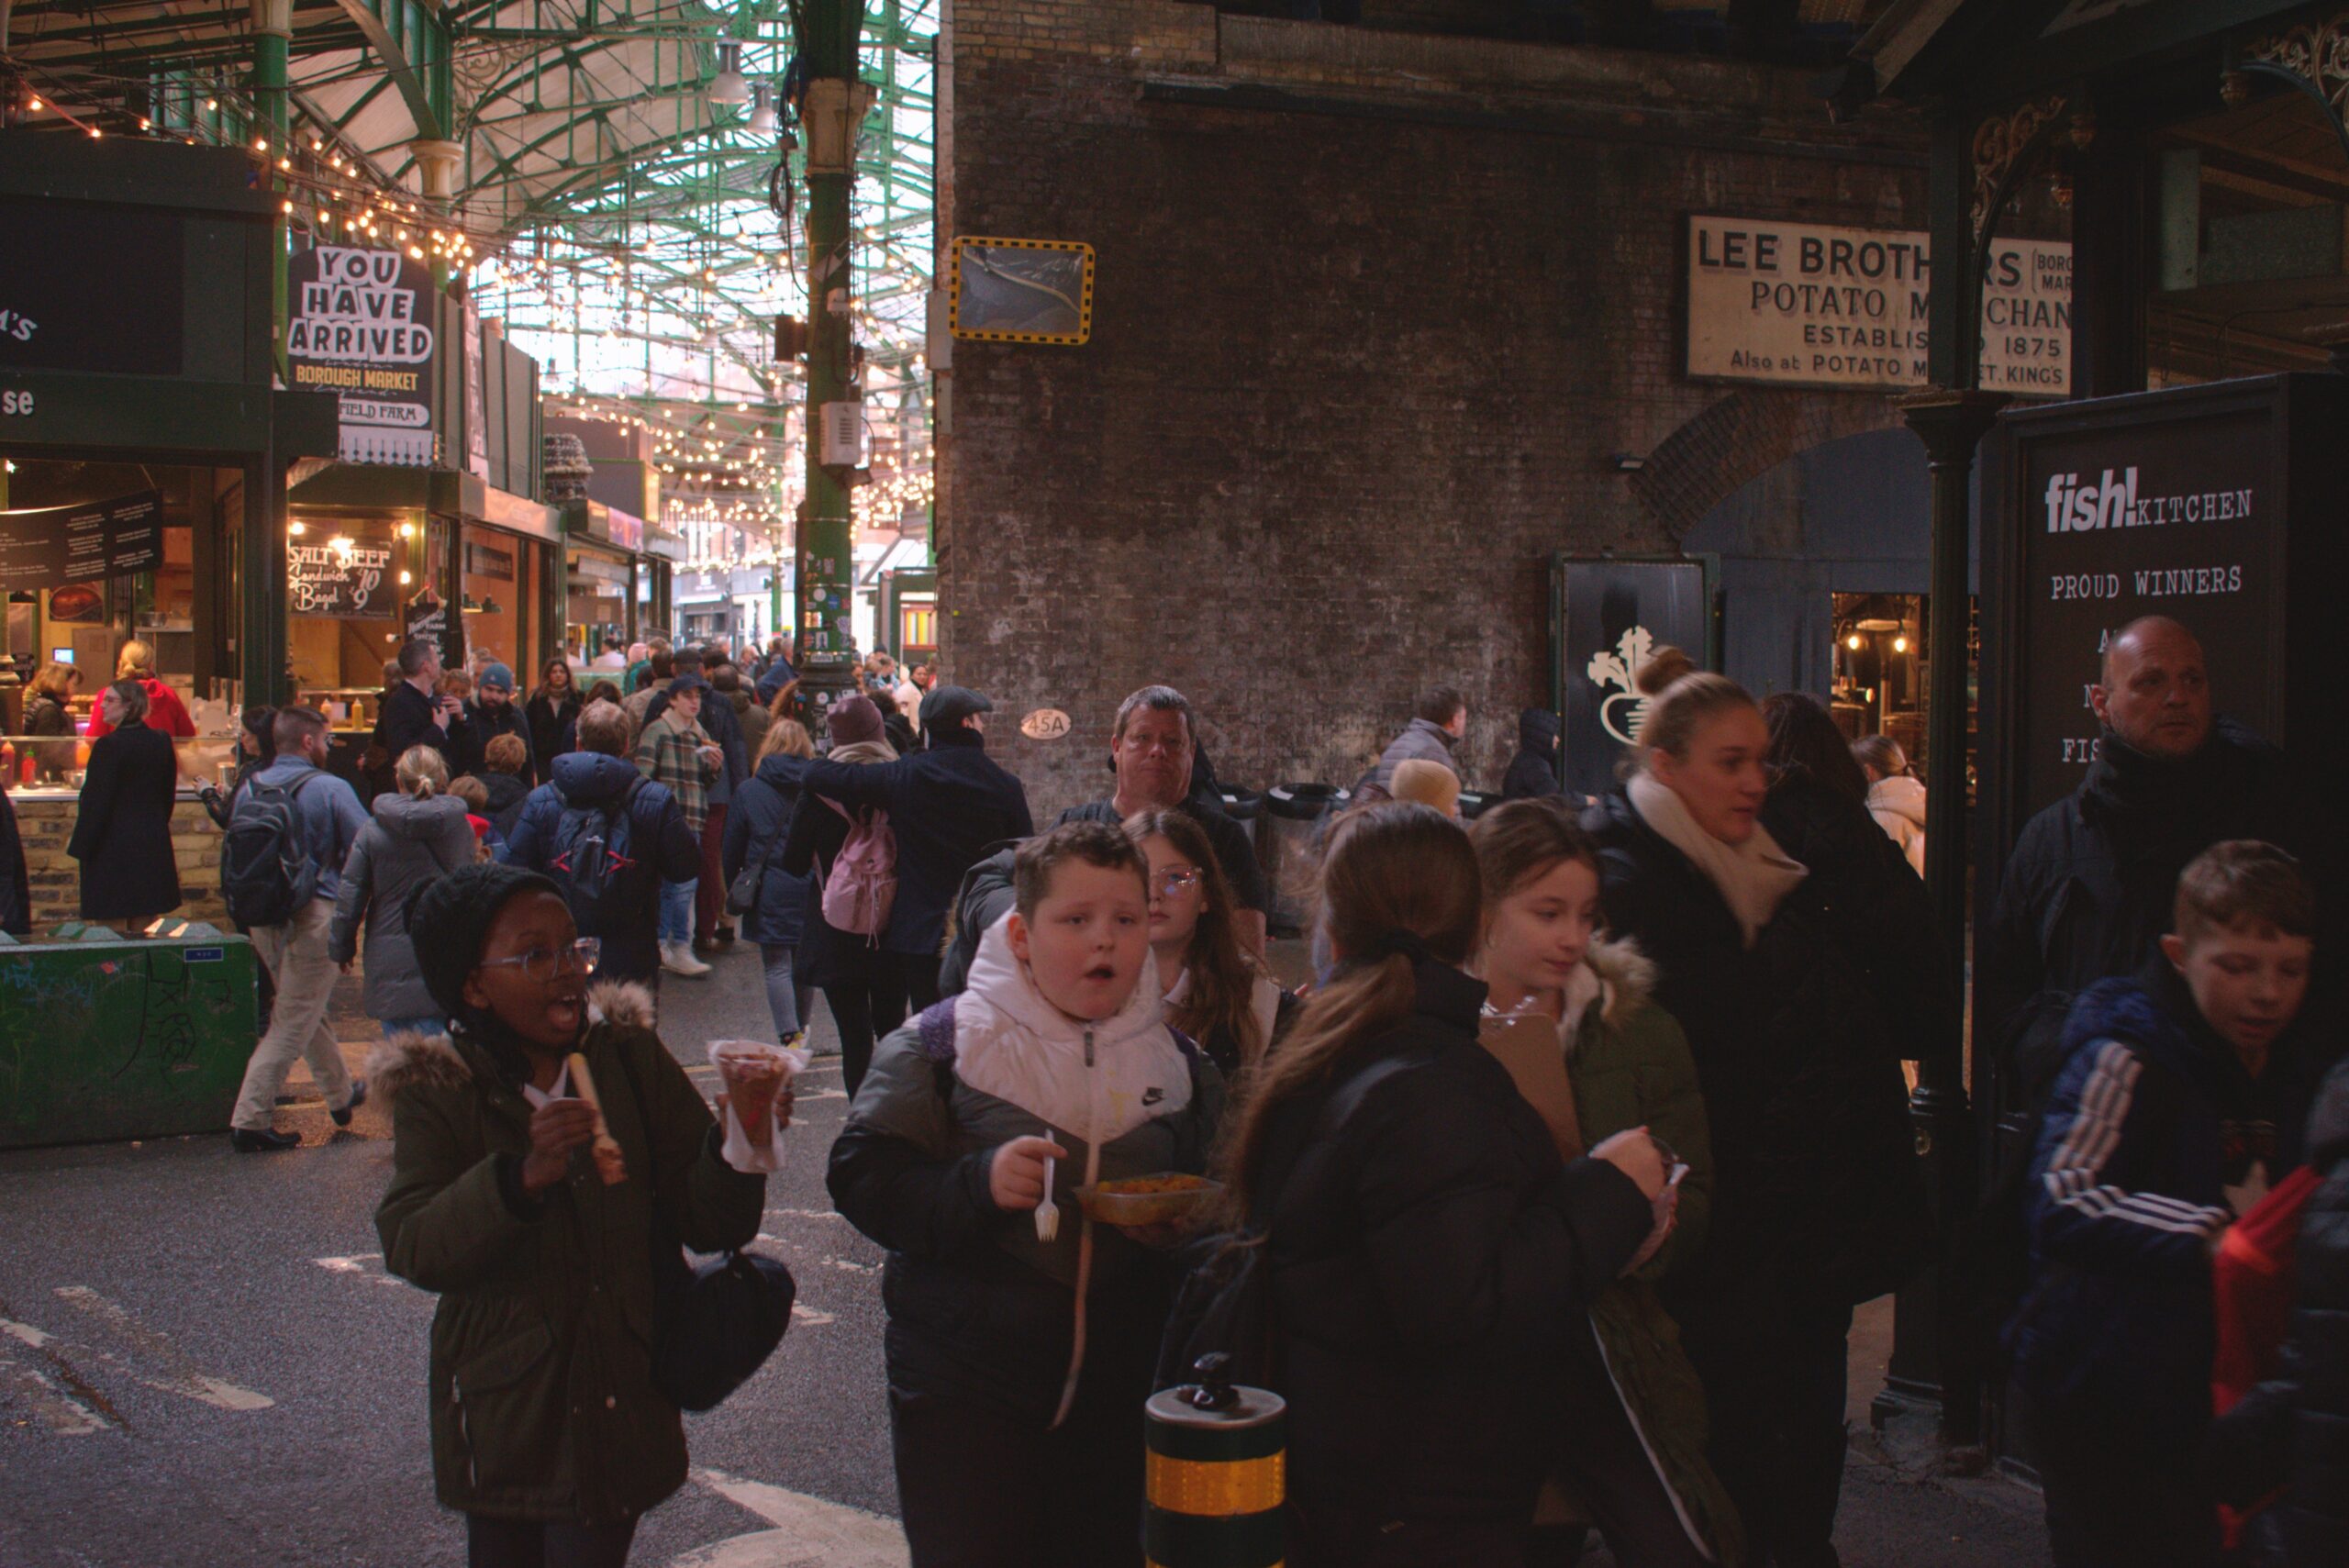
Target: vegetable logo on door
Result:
[1622, 711]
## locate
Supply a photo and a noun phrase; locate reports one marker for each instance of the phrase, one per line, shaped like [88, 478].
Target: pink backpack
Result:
[863, 882]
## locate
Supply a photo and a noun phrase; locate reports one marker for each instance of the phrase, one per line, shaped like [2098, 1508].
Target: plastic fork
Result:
[1048, 1213]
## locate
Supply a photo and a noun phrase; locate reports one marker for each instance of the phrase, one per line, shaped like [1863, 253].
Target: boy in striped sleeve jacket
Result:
[2181, 1100]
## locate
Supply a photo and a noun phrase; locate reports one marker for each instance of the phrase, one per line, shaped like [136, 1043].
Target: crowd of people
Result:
[1546, 1206]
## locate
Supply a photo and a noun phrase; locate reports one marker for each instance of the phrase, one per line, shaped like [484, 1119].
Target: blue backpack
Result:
[591, 859]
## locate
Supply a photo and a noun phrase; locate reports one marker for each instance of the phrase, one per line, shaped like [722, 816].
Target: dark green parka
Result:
[542, 1399]
[1631, 1067]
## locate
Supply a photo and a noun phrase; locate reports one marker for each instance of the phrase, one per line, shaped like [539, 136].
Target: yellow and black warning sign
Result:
[1020, 291]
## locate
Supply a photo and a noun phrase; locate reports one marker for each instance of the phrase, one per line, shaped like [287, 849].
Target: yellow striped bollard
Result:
[1219, 1473]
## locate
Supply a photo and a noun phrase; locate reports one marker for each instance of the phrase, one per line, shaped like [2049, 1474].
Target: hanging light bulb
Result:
[728, 86]
[762, 106]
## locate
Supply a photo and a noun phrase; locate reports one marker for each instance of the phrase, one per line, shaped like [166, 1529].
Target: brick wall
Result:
[56, 876]
[1359, 361]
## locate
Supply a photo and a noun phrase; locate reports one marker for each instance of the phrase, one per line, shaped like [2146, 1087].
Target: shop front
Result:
[145, 454]
[604, 564]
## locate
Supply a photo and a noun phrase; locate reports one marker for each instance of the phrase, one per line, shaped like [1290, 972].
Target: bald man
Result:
[2091, 881]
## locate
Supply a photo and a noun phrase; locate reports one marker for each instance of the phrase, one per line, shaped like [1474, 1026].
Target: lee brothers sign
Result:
[1806, 304]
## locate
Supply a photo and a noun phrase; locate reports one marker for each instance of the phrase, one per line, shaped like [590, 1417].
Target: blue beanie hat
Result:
[497, 675]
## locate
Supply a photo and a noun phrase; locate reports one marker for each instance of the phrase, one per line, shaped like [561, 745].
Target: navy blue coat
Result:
[948, 806]
[664, 850]
[2149, 1120]
[759, 822]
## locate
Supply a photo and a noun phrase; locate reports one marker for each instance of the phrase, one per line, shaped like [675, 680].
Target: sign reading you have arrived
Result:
[357, 329]
[1806, 305]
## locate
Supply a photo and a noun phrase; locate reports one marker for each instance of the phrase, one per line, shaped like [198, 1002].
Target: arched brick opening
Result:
[1745, 434]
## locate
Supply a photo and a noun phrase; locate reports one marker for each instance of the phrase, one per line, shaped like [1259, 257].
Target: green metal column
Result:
[273, 40]
[834, 105]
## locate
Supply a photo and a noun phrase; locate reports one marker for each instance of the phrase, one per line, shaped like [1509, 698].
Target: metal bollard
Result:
[1218, 1475]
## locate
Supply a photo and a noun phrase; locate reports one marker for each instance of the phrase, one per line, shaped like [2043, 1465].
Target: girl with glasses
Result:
[548, 1431]
[1216, 992]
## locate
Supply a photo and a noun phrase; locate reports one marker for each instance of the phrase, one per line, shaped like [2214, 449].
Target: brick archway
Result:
[1745, 434]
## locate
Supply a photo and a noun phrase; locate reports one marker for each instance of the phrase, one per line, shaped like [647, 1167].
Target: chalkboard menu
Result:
[341, 576]
[1609, 616]
[2216, 505]
[426, 619]
[44, 547]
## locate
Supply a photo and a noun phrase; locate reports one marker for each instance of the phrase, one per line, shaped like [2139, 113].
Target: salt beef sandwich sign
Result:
[358, 329]
[1810, 305]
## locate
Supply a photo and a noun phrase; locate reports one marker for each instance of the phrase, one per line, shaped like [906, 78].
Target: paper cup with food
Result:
[756, 1074]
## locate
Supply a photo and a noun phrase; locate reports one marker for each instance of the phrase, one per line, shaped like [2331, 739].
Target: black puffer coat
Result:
[1797, 1051]
[1533, 771]
[2089, 886]
[1424, 1256]
[2294, 1428]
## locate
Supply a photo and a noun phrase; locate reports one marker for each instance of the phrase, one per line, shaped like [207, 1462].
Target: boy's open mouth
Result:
[1101, 971]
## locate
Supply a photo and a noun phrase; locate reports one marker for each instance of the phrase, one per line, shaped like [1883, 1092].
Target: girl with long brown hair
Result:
[1217, 991]
[1425, 1240]
[1634, 1453]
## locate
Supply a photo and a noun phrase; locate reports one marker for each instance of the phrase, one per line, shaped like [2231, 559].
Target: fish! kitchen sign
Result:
[1808, 304]
[359, 329]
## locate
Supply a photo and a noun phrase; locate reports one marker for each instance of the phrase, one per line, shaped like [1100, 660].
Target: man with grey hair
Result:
[1153, 747]
[2089, 887]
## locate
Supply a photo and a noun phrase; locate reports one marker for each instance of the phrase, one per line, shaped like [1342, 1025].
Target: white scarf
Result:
[1753, 877]
[1013, 1044]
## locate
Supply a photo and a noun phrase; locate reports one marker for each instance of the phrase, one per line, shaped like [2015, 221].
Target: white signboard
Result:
[1808, 304]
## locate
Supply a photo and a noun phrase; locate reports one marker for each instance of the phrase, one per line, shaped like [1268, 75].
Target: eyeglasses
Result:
[542, 966]
[1167, 883]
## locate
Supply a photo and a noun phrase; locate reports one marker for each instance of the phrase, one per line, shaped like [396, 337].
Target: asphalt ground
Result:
[202, 1362]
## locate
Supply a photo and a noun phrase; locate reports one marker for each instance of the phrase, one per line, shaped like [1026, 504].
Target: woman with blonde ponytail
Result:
[1769, 966]
[417, 836]
[1425, 1238]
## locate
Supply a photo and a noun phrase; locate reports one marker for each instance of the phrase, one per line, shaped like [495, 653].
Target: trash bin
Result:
[104, 1037]
[1241, 803]
[1472, 803]
[1287, 828]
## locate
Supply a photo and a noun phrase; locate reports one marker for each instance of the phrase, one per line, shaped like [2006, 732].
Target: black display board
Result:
[1608, 614]
[343, 575]
[360, 325]
[50, 546]
[84, 287]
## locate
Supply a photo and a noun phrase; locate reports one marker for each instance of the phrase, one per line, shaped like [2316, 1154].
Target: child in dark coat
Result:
[2179, 1103]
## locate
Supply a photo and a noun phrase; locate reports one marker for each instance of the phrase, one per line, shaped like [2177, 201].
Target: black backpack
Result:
[1224, 1305]
[591, 856]
[266, 875]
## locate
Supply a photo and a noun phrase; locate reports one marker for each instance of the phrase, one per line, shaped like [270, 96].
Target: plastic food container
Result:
[1159, 1199]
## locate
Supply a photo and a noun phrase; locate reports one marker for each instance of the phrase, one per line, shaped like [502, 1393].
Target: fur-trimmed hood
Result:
[1626, 975]
[410, 1060]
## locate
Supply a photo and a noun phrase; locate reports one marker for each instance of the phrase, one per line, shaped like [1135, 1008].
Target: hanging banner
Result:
[44, 547]
[359, 327]
[476, 397]
[345, 577]
[1808, 304]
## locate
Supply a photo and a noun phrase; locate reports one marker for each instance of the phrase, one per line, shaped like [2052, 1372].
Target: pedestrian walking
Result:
[503, 787]
[553, 713]
[778, 674]
[288, 840]
[1632, 1409]
[122, 826]
[660, 670]
[1018, 1354]
[414, 836]
[863, 986]
[549, 1433]
[416, 713]
[1895, 796]
[756, 831]
[1533, 771]
[256, 746]
[165, 712]
[2088, 890]
[638, 668]
[610, 839]
[2289, 1431]
[947, 804]
[1430, 1251]
[675, 750]
[1153, 751]
[1433, 734]
[2182, 1098]
[1818, 1202]
[494, 713]
[15, 882]
[748, 716]
[1218, 991]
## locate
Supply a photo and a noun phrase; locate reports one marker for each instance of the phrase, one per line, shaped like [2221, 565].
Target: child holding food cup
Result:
[1020, 1345]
